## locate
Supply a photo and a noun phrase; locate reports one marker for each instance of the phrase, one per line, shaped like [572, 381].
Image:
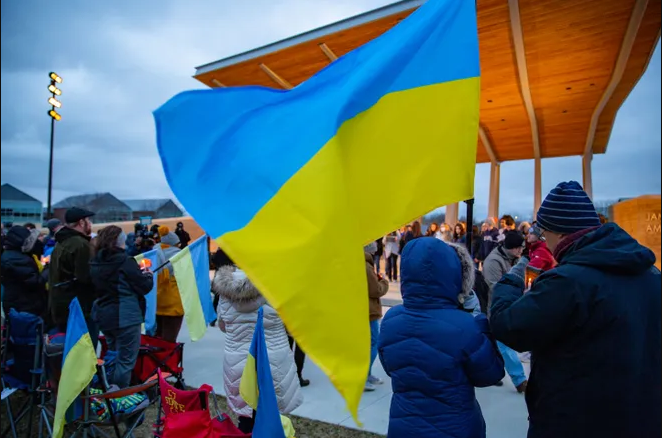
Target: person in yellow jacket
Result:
[169, 310]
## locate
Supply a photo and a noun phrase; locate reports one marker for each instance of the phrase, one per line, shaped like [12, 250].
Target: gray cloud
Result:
[121, 60]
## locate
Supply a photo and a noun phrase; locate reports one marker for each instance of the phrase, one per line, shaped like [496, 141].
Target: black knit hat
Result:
[514, 239]
[568, 210]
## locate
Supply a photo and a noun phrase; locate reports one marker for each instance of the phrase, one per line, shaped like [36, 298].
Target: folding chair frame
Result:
[96, 428]
[36, 375]
[162, 363]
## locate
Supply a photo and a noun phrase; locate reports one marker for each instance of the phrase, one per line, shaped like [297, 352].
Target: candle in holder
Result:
[145, 264]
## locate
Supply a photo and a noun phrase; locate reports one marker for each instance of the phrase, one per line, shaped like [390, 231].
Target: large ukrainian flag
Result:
[293, 183]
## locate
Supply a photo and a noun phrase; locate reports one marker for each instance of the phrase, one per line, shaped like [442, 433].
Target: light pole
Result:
[54, 116]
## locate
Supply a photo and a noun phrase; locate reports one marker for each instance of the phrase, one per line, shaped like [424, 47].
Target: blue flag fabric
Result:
[150, 299]
[257, 386]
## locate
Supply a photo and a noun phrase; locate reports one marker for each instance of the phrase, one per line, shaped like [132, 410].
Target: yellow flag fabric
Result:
[78, 365]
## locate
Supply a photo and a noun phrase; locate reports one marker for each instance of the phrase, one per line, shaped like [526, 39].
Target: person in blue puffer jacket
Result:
[436, 350]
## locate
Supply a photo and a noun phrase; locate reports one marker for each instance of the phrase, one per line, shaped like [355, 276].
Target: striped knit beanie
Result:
[567, 210]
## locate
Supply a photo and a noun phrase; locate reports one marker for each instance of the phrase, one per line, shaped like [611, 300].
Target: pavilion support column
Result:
[452, 214]
[537, 186]
[495, 191]
[587, 167]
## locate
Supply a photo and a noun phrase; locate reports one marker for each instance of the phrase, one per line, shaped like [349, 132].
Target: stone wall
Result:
[641, 218]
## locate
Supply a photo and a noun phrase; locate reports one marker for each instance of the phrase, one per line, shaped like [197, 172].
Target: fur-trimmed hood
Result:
[30, 242]
[232, 285]
[468, 270]
[436, 274]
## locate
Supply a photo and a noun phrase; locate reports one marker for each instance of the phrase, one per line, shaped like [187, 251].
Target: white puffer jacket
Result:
[237, 310]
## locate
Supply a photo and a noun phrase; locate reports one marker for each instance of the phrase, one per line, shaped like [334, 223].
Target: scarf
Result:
[568, 242]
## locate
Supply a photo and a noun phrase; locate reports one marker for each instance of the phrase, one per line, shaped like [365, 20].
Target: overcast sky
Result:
[120, 60]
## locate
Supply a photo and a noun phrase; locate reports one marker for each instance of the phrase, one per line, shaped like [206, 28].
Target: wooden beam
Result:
[274, 77]
[638, 13]
[488, 145]
[495, 191]
[537, 186]
[587, 173]
[218, 83]
[525, 89]
[328, 52]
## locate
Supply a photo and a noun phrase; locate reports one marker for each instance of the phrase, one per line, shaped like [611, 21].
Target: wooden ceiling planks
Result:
[570, 68]
[647, 39]
[571, 47]
[502, 110]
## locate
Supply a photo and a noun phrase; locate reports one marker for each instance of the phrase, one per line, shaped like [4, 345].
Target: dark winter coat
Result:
[25, 288]
[593, 327]
[121, 287]
[184, 237]
[488, 244]
[435, 352]
[69, 275]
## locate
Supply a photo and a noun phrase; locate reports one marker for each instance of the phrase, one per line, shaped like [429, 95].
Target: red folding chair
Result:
[156, 354]
[187, 413]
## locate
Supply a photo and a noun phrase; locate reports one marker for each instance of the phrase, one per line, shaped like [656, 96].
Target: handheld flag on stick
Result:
[257, 386]
[191, 267]
[279, 177]
[78, 365]
[150, 259]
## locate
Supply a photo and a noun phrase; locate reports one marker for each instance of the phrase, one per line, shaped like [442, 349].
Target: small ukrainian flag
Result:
[257, 387]
[79, 364]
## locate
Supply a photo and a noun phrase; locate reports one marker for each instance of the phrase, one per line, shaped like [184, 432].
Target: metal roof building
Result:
[154, 208]
[107, 208]
[20, 208]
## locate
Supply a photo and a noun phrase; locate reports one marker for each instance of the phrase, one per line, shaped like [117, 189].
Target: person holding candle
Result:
[121, 285]
[592, 324]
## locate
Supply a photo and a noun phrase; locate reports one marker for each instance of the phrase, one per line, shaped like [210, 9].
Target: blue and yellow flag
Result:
[257, 386]
[156, 258]
[285, 180]
[79, 365]
[191, 267]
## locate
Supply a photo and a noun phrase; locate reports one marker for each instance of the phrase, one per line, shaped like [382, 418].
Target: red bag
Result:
[187, 414]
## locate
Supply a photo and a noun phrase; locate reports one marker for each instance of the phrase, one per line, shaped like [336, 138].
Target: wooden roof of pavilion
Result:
[554, 72]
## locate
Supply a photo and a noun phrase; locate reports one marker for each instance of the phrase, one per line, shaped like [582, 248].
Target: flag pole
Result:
[470, 224]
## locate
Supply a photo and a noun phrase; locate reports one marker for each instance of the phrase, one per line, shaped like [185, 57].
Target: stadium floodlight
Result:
[55, 77]
[54, 102]
[55, 115]
[55, 90]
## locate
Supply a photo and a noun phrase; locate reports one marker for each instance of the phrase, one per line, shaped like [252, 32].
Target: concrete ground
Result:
[503, 408]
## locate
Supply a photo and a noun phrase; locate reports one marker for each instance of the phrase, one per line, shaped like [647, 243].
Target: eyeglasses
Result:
[537, 231]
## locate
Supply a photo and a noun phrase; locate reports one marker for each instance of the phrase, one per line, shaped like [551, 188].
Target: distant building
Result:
[154, 208]
[107, 208]
[20, 208]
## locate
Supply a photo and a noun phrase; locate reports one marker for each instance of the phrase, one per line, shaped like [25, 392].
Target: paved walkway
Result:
[504, 410]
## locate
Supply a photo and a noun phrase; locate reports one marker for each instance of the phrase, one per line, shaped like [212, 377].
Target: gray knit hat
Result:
[568, 210]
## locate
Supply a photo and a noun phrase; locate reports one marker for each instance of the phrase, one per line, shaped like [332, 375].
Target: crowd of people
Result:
[582, 296]
[43, 273]
[579, 296]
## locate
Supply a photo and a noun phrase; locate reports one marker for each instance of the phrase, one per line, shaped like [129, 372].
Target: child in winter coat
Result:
[237, 315]
[434, 349]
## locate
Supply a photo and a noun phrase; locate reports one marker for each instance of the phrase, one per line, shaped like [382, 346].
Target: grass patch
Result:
[305, 428]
